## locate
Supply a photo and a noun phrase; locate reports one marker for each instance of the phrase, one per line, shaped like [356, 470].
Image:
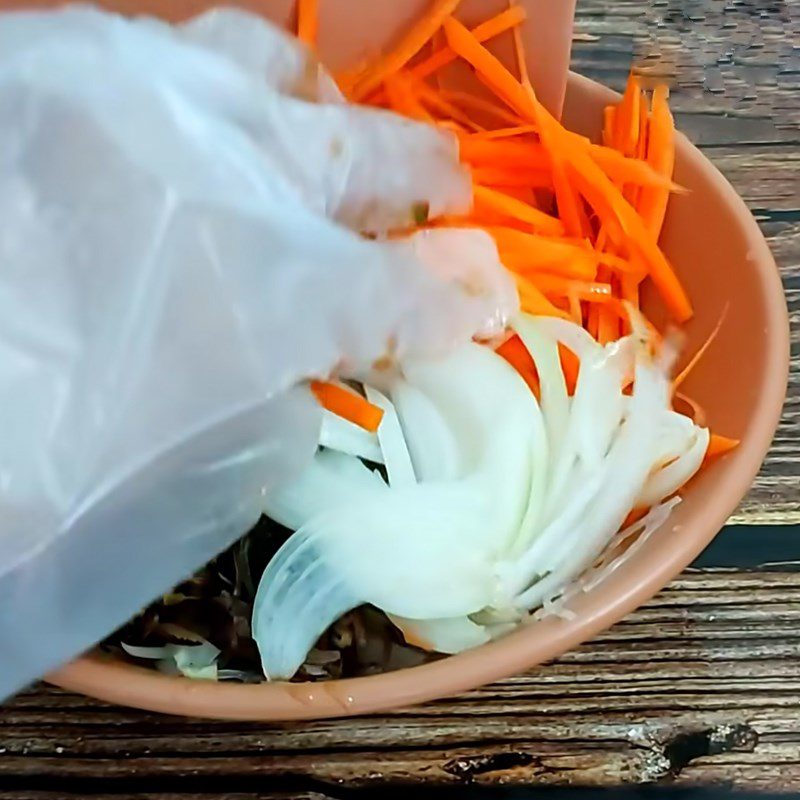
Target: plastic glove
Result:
[175, 262]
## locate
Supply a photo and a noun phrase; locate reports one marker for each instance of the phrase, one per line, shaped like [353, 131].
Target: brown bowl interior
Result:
[722, 258]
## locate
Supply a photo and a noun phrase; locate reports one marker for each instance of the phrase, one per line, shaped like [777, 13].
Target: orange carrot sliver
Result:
[504, 84]
[516, 209]
[416, 38]
[437, 103]
[533, 301]
[507, 133]
[514, 351]
[685, 372]
[348, 405]
[505, 176]
[623, 169]
[627, 227]
[308, 21]
[504, 21]
[626, 121]
[402, 98]
[475, 149]
[661, 157]
[570, 366]
[482, 105]
[720, 445]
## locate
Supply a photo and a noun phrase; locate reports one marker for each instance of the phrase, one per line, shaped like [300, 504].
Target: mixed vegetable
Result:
[452, 499]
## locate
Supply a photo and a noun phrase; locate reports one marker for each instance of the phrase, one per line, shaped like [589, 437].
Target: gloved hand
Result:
[181, 213]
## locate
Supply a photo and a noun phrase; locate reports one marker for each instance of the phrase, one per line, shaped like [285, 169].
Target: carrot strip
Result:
[569, 207]
[489, 29]
[622, 169]
[583, 290]
[522, 252]
[514, 155]
[308, 21]
[720, 445]
[480, 147]
[579, 267]
[627, 229]
[515, 352]
[511, 207]
[401, 98]
[570, 366]
[608, 325]
[348, 405]
[482, 105]
[684, 374]
[660, 156]
[436, 102]
[504, 176]
[502, 82]
[507, 133]
[416, 38]
[533, 301]
[609, 117]
[634, 517]
[626, 119]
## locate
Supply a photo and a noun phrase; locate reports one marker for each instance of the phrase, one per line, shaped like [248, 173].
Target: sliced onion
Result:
[450, 635]
[431, 443]
[396, 457]
[669, 479]
[346, 437]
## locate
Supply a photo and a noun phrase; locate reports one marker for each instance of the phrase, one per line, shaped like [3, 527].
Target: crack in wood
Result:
[467, 767]
[671, 758]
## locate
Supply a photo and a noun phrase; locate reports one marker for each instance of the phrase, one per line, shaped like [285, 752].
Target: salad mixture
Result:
[451, 500]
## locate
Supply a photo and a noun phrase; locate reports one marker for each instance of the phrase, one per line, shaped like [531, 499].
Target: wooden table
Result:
[701, 685]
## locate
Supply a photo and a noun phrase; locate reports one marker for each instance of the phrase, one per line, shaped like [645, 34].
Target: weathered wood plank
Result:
[703, 683]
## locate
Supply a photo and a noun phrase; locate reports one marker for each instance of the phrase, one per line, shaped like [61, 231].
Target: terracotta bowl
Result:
[725, 263]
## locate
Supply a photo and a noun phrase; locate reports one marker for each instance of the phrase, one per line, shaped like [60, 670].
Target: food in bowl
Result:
[451, 500]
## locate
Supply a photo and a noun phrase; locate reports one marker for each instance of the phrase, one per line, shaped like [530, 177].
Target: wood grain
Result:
[702, 684]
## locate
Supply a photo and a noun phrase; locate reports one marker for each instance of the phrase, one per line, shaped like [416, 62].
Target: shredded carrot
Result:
[489, 29]
[434, 100]
[576, 223]
[523, 252]
[570, 366]
[507, 177]
[533, 301]
[635, 516]
[477, 150]
[509, 206]
[504, 84]
[628, 229]
[625, 225]
[565, 287]
[684, 374]
[622, 169]
[393, 61]
[308, 21]
[403, 99]
[661, 157]
[626, 120]
[348, 405]
[482, 106]
[514, 351]
[507, 133]
[720, 445]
